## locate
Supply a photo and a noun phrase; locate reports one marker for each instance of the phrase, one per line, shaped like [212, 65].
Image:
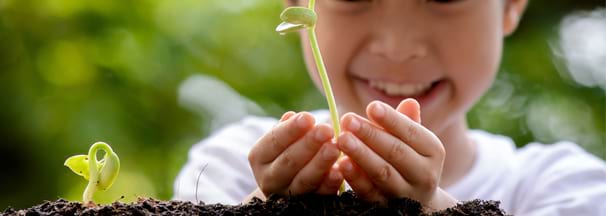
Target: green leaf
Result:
[296, 18]
[79, 165]
[109, 170]
[285, 27]
[299, 15]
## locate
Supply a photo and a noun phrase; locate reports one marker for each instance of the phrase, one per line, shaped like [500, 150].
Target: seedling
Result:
[100, 174]
[299, 18]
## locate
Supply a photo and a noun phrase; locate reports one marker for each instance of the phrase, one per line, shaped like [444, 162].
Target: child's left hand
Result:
[393, 156]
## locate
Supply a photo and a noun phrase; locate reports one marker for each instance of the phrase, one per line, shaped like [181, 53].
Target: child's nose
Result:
[398, 37]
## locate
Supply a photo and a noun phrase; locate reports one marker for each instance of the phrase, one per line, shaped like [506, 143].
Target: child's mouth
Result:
[400, 90]
[393, 93]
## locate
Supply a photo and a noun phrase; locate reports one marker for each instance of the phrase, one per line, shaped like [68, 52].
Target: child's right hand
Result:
[296, 157]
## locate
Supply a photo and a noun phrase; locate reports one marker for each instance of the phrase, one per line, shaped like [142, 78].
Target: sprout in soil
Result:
[299, 18]
[99, 173]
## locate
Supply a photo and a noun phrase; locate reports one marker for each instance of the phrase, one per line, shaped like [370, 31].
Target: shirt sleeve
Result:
[217, 169]
[570, 181]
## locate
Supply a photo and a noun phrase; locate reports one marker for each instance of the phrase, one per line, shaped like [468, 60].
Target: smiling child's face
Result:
[444, 53]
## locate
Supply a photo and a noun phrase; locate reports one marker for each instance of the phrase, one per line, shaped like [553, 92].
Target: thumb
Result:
[411, 108]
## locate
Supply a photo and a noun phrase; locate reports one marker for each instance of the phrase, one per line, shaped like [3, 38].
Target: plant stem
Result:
[93, 180]
[312, 4]
[330, 98]
[334, 115]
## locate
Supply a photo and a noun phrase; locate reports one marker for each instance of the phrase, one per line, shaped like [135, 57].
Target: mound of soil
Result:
[345, 204]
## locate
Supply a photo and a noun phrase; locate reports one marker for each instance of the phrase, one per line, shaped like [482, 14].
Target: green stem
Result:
[312, 4]
[93, 180]
[330, 98]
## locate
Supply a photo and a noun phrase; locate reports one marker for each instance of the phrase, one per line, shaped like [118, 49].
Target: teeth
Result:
[395, 89]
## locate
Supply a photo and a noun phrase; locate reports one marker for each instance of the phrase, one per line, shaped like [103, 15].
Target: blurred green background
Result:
[73, 72]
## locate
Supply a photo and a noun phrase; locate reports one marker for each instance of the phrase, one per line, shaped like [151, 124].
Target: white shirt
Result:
[538, 179]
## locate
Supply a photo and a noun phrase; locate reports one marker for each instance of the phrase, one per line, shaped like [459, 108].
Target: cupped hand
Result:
[391, 155]
[296, 157]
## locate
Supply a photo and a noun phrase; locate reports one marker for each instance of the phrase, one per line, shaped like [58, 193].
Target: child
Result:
[404, 74]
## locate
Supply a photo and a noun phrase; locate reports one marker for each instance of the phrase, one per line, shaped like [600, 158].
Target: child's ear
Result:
[512, 14]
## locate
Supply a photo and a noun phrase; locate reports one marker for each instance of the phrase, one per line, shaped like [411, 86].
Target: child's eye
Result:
[354, 0]
[451, 7]
[348, 6]
[445, 1]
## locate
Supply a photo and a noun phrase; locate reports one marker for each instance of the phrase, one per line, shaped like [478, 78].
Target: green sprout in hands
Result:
[298, 18]
[100, 174]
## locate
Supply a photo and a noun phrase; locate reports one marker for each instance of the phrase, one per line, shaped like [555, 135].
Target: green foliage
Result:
[73, 72]
[296, 18]
[79, 165]
[100, 174]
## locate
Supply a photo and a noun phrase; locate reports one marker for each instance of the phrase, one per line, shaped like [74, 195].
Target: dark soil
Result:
[346, 204]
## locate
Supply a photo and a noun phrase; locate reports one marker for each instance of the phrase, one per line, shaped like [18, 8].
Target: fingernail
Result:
[301, 121]
[286, 116]
[334, 176]
[347, 166]
[354, 124]
[321, 135]
[329, 153]
[349, 144]
[379, 109]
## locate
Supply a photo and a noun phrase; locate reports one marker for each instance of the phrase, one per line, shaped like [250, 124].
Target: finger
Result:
[411, 108]
[380, 172]
[413, 134]
[310, 176]
[288, 164]
[358, 181]
[274, 142]
[402, 157]
[332, 182]
[287, 115]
